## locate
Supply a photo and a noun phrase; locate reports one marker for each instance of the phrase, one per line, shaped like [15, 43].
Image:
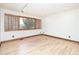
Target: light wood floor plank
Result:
[40, 45]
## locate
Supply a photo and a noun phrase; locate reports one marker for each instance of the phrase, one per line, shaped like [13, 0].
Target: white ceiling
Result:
[40, 9]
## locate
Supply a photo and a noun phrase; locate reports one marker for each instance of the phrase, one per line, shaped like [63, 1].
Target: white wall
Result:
[0, 25]
[8, 35]
[63, 24]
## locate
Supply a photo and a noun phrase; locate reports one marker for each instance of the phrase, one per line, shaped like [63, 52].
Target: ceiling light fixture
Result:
[26, 5]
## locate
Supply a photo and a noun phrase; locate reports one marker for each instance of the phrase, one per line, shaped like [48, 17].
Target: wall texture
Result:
[0, 25]
[17, 34]
[63, 24]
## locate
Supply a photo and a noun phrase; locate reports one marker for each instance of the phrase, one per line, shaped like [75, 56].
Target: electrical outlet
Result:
[69, 36]
[42, 32]
[12, 36]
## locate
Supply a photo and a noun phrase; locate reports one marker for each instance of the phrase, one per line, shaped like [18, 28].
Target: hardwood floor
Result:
[40, 45]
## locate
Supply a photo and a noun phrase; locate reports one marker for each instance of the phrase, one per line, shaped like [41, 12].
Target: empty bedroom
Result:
[39, 28]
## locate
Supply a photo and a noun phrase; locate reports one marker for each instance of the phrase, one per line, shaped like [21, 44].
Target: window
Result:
[13, 23]
[32, 23]
[23, 23]
[38, 24]
[27, 23]
[10, 22]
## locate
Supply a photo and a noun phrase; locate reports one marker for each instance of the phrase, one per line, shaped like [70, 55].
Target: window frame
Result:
[19, 24]
[19, 29]
[8, 15]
